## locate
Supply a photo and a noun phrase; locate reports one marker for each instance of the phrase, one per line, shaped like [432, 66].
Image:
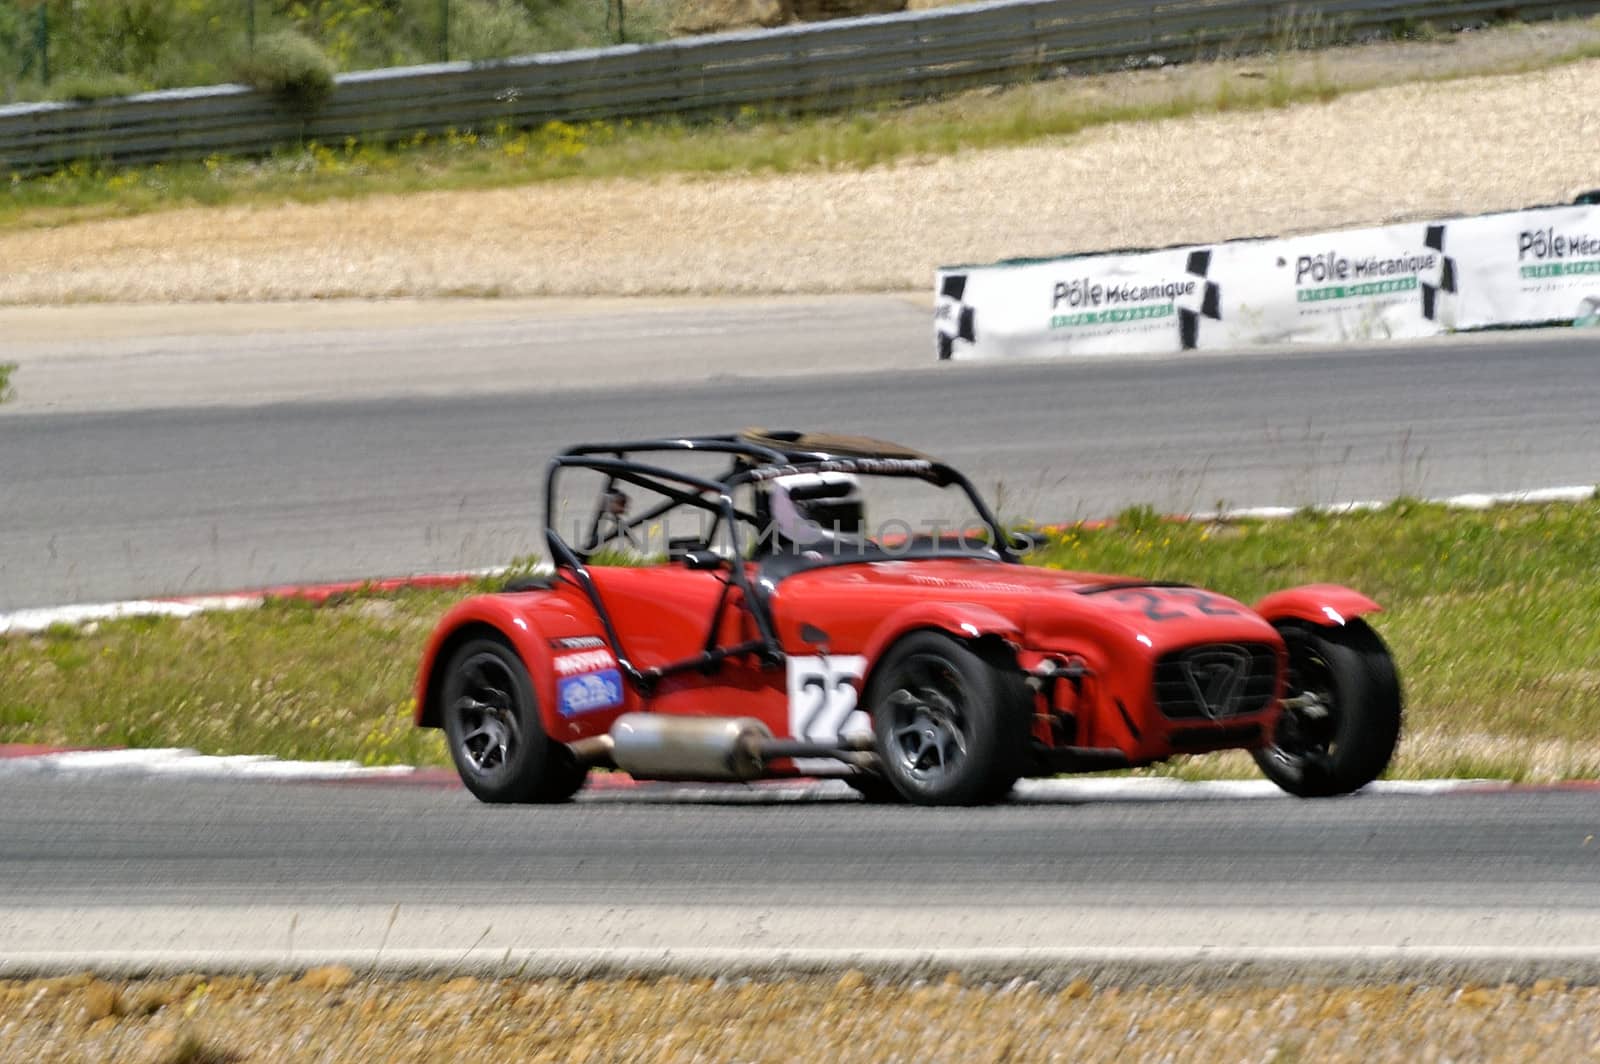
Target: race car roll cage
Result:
[755, 458]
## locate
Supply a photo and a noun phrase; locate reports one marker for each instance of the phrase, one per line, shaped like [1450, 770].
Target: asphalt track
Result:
[291, 873]
[435, 461]
[152, 465]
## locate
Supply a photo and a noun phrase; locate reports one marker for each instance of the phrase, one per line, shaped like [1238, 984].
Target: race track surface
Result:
[434, 459]
[151, 866]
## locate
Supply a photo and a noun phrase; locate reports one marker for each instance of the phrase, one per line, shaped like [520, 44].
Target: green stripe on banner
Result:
[1562, 269]
[1103, 317]
[1347, 291]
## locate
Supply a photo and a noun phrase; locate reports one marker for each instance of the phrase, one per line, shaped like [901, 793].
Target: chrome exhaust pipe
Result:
[593, 753]
[660, 747]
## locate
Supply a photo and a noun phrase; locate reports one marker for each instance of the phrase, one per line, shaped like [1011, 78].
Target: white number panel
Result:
[822, 702]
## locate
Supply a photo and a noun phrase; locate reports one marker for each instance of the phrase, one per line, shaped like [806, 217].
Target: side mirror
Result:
[702, 560]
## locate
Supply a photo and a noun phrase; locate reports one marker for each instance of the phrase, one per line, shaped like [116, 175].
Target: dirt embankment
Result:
[1408, 151]
[331, 1015]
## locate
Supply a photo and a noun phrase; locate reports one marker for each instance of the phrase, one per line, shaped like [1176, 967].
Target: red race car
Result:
[724, 610]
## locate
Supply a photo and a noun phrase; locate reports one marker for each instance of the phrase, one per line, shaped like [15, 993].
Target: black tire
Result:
[874, 789]
[491, 721]
[1341, 722]
[950, 726]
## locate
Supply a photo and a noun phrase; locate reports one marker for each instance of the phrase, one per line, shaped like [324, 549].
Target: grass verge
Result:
[332, 1013]
[1491, 615]
[6, 370]
[754, 142]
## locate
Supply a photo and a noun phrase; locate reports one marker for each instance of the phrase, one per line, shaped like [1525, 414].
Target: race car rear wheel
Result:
[1341, 716]
[951, 726]
[491, 721]
[874, 789]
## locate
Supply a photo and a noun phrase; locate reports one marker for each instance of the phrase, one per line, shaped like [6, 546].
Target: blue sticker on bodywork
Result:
[589, 692]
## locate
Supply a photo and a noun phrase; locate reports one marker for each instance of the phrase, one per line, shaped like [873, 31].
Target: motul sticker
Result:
[588, 661]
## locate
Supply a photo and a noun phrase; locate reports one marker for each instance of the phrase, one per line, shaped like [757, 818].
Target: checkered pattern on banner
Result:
[1205, 303]
[1434, 240]
[955, 319]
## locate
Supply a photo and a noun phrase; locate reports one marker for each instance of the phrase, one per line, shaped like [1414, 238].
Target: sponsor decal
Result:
[589, 692]
[1543, 245]
[959, 584]
[1329, 275]
[884, 466]
[1088, 302]
[1380, 278]
[1434, 238]
[584, 661]
[1191, 298]
[578, 642]
[1209, 300]
[954, 319]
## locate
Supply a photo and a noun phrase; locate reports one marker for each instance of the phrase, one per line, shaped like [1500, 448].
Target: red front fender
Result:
[1324, 604]
[964, 620]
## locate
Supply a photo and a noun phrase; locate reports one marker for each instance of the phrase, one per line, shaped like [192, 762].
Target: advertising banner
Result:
[1391, 282]
[1362, 284]
[1527, 267]
[1152, 301]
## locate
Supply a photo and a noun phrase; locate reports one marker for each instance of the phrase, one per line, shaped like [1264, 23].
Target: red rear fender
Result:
[1324, 604]
[529, 622]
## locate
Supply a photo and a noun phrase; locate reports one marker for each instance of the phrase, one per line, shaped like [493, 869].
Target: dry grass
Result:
[332, 1015]
[1406, 151]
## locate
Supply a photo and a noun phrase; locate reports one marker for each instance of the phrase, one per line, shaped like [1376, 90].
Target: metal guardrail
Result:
[814, 67]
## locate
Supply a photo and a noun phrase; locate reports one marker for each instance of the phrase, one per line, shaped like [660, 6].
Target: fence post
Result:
[250, 25]
[43, 41]
[444, 31]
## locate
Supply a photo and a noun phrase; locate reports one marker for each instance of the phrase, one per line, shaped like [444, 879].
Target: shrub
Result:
[86, 87]
[291, 67]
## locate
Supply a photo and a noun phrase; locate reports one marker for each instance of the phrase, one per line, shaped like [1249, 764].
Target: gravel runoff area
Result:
[1407, 151]
[333, 1014]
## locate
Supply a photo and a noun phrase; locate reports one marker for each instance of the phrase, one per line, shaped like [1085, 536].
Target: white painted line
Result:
[177, 763]
[40, 618]
[1102, 964]
[37, 620]
[1163, 789]
[1265, 513]
[187, 764]
[1473, 501]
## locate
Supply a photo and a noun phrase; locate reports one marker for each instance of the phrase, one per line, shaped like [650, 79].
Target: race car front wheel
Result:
[950, 726]
[491, 721]
[1341, 713]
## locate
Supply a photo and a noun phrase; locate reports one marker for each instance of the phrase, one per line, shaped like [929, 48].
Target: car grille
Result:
[1216, 681]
